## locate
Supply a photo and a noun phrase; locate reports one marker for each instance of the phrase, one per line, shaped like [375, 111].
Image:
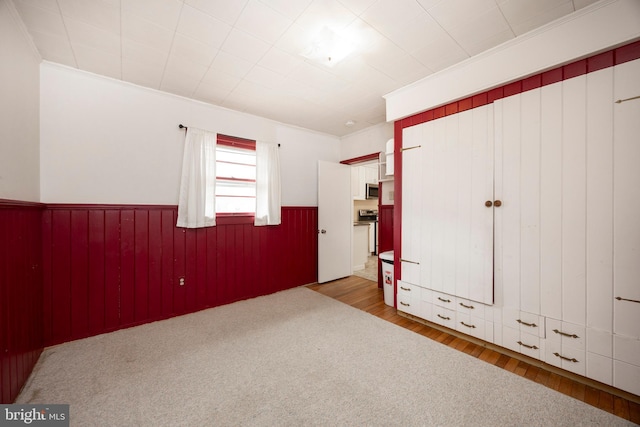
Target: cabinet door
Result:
[626, 201]
[456, 164]
[357, 183]
[412, 141]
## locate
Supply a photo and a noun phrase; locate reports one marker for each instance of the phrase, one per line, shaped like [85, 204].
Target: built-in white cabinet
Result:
[554, 268]
[448, 205]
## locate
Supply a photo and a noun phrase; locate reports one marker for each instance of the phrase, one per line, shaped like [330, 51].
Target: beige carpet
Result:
[294, 358]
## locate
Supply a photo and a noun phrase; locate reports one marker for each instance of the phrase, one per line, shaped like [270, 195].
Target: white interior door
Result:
[335, 221]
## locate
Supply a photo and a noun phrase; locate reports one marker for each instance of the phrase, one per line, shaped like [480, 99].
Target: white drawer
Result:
[470, 325]
[409, 299]
[521, 342]
[565, 357]
[530, 345]
[568, 334]
[626, 349]
[510, 338]
[526, 322]
[469, 307]
[444, 300]
[444, 316]
[626, 377]
[600, 368]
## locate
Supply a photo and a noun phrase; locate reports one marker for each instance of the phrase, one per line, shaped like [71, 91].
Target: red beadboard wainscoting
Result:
[112, 267]
[21, 323]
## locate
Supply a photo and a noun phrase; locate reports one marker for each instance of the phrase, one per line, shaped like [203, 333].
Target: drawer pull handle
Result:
[410, 148]
[405, 289]
[570, 359]
[528, 346]
[564, 334]
[444, 317]
[444, 300]
[405, 304]
[626, 299]
[467, 306]
[531, 325]
[469, 326]
[410, 262]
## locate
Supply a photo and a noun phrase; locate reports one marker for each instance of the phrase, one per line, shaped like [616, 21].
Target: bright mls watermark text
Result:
[34, 415]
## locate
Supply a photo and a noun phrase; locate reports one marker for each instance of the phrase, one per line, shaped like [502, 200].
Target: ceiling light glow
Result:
[329, 48]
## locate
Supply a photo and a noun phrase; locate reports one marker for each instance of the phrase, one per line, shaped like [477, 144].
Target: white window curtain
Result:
[196, 207]
[268, 201]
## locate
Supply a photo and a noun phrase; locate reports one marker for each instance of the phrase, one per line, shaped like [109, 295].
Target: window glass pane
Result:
[238, 164]
[235, 204]
[235, 188]
[236, 156]
[232, 170]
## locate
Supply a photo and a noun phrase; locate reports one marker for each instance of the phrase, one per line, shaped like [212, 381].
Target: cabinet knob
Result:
[497, 203]
[488, 203]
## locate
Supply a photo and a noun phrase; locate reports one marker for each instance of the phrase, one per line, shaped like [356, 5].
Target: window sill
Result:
[234, 218]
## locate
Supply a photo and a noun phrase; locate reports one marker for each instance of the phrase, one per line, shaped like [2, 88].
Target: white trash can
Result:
[387, 277]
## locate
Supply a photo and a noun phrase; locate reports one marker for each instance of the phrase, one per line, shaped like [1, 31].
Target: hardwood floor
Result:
[365, 295]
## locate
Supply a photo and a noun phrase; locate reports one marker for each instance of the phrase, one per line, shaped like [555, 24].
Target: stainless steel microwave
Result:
[371, 191]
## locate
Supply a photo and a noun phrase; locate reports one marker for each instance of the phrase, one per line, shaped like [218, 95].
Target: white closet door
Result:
[600, 199]
[430, 178]
[551, 201]
[530, 202]
[574, 199]
[457, 227]
[411, 204]
[481, 244]
[509, 128]
[626, 200]
[433, 207]
[464, 207]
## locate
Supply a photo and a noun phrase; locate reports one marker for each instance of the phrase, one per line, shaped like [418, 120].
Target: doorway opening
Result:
[364, 188]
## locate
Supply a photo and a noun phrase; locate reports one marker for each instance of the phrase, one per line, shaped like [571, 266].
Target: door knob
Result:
[497, 203]
[323, 231]
[488, 203]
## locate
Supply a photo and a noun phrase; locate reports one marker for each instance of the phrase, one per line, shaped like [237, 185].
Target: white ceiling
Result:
[245, 54]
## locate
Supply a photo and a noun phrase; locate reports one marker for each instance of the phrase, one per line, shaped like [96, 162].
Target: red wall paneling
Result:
[21, 296]
[112, 267]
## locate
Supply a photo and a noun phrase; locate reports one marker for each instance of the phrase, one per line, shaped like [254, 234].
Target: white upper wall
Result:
[19, 110]
[106, 141]
[590, 30]
[366, 141]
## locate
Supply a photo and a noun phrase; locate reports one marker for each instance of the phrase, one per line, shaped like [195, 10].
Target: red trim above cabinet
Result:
[361, 159]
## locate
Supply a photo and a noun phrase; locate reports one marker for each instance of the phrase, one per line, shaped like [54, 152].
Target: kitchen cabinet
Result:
[360, 176]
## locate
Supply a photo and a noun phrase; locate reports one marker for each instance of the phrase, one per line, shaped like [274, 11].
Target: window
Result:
[235, 175]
